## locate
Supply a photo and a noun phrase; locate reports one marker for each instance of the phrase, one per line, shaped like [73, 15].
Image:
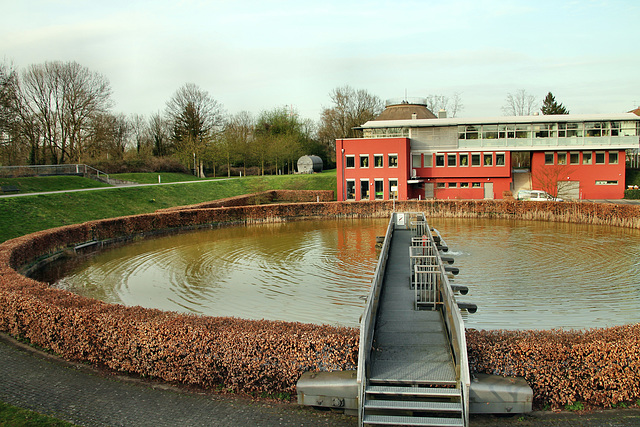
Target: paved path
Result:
[36, 381]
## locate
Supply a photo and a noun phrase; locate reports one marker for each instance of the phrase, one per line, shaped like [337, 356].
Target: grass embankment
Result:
[152, 178]
[51, 183]
[14, 416]
[26, 214]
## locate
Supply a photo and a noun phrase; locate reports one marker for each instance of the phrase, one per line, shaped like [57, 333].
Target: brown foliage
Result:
[599, 367]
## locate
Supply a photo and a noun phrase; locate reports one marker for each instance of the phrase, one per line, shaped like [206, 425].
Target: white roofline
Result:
[555, 118]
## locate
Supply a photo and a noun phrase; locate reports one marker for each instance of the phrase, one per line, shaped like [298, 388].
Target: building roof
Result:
[405, 111]
[557, 118]
[636, 111]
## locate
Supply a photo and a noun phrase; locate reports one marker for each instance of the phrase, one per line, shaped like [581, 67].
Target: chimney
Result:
[442, 114]
[414, 116]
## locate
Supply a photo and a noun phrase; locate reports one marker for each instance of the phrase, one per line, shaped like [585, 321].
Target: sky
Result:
[258, 55]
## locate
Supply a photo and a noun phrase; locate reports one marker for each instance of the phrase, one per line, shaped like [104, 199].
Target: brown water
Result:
[521, 274]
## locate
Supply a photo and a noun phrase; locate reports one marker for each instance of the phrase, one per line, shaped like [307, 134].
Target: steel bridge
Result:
[412, 366]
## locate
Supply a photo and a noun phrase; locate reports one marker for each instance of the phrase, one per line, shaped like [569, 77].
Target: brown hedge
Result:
[598, 367]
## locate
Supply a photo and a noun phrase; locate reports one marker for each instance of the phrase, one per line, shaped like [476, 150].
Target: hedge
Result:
[598, 367]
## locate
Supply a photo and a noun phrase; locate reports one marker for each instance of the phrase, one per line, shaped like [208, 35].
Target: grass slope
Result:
[152, 178]
[26, 214]
[51, 183]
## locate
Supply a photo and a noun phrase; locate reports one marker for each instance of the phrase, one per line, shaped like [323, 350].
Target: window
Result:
[350, 162]
[464, 185]
[613, 157]
[488, 159]
[451, 160]
[351, 189]
[439, 160]
[475, 185]
[393, 188]
[489, 132]
[574, 129]
[464, 160]
[364, 189]
[379, 189]
[453, 185]
[441, 185]
[377, 161]
[606, 182]
[393, 160]
[562, 158]
[548, 158]
[416, 161]
[428, 160]
[475, 159]
[599, 157]
[364, 160]
[499, 159]
[574, 158]
[506, 131]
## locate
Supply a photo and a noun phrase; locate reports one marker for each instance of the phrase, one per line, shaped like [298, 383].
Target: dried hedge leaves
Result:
[599, 367]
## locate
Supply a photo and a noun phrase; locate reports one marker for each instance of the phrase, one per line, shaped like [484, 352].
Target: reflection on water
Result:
[539, 275]
[522, 275]
[307, 271]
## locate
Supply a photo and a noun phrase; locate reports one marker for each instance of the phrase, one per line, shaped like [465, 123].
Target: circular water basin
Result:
[521, 274]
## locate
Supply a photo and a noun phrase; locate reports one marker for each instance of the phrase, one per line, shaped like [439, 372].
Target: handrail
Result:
[367, 321]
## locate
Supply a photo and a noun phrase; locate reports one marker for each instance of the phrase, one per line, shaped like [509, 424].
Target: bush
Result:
[150, 164]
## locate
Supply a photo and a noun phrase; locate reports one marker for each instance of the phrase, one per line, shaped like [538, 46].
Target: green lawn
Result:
[26, 214]
[14, 416]
[152, 178]
[51, 183]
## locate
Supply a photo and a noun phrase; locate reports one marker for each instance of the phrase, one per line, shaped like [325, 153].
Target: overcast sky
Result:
[256, 55]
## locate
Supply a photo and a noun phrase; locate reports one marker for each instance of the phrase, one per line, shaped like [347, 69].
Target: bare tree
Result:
[141, 135]
[158, 129]
[452, 105]
[10, 149]
[351, 108]
[238, 140]
[63, 97]
[519, 103]
[195, 119]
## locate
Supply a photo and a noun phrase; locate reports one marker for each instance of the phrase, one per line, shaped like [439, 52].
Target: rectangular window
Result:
[562, 158]
[464, 160]
[453, 185]
[574, 129]
[439, 160]
[364, 160]
[488, 159]
[548, 159]
[451, 160]
[378, 161]
[489, 132]
[599, 157]
[393, 160]
[351, 189]
[574, 158]
[613, 157]
[441, 185]
[587, 157]
[464, 185]
[499, 159]
[428, 160]
[379, 189]
[416, 161]
[475, 185]
[475, 159]
[350, 162]
[606, 182]
[393, 188]
[364, 189]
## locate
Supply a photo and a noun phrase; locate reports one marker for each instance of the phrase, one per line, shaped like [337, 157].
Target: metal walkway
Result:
[413, 366]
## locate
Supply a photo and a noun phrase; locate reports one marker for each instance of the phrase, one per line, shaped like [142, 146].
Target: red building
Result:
[409, 153]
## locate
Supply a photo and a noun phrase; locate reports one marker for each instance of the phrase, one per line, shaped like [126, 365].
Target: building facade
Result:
[409, 153]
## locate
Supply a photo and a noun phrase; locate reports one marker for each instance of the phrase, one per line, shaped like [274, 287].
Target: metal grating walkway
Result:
[409, 346]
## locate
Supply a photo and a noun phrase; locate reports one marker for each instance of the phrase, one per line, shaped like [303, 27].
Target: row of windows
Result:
[458, 185]
[378, 189]
[548, 130]
[458, 160]
[378, 161]
[573, 158]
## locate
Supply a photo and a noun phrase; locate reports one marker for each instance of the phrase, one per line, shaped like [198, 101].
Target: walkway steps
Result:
[412, 421]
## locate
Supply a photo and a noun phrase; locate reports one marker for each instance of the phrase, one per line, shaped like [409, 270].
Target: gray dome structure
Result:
[309, 164]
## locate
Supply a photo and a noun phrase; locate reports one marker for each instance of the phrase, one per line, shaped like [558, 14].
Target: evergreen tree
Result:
[550, 106]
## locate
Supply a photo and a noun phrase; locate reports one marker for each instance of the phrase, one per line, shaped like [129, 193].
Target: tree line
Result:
[62, 112]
